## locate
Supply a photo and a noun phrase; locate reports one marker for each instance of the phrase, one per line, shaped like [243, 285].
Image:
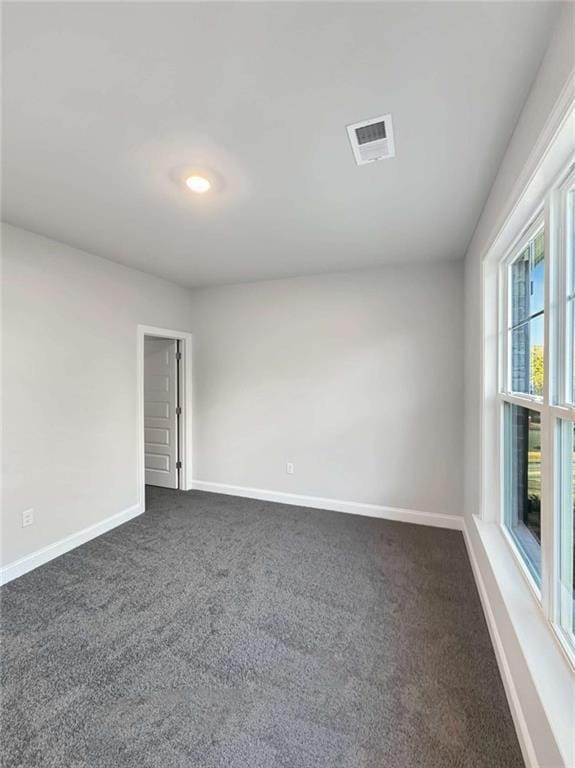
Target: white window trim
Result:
[550, 213]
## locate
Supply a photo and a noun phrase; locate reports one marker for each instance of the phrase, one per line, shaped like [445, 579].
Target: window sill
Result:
[535, 664]
[560, 638]
[527, 549]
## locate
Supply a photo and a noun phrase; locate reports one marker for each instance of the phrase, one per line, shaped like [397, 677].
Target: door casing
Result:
[185, 383]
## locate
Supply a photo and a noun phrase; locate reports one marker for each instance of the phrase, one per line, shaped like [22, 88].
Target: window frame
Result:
[513, 537]
[557, 404]
[530, 232]
[505, 394]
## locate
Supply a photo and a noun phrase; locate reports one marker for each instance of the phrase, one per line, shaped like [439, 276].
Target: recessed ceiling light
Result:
[198, 184]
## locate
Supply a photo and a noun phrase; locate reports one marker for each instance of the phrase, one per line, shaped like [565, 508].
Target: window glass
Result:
[523, 483]
[527, 296]
[520, 287]
[537, 274]
[571, 289]
[527, 357]
[571, 354]
[567, 531]
[571, 216]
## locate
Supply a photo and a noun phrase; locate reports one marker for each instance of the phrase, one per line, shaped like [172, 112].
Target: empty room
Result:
[288, 384]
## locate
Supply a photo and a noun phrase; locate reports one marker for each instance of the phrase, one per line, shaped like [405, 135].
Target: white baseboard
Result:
[44, 555]
[525, 741]
[29, 562]
[335, 505]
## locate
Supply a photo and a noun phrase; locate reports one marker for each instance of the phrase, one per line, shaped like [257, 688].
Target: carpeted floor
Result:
[223, 632]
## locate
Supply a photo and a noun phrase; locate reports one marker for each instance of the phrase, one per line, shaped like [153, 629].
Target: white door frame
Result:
[185, 404]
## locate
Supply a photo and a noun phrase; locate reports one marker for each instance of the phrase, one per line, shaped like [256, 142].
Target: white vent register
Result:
[372, 139]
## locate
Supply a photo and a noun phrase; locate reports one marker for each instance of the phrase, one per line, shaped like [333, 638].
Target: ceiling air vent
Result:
[372, 139]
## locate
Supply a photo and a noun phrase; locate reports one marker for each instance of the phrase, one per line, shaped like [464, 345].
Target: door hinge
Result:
[178, 464]
[178, 411]
[178, 355]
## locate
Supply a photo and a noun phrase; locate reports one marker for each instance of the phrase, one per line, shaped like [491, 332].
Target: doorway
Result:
[164, 413]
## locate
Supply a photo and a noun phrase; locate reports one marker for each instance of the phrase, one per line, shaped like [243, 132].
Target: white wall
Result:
[356, 378]
[535, 670]
[69, 385]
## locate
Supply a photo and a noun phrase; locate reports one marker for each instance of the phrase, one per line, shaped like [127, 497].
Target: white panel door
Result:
[160, 414]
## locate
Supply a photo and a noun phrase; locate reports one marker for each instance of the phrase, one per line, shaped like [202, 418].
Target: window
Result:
[523, 395]
[527, 304]
[537, 405]
[523, 483]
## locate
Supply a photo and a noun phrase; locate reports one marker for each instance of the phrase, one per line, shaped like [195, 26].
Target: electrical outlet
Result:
[290, 468]
[27, 517]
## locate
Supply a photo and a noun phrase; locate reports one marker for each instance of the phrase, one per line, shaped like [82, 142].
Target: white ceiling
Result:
[106, 105]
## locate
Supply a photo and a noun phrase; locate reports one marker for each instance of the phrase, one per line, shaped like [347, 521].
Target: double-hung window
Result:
[537, 404]
[523, 394]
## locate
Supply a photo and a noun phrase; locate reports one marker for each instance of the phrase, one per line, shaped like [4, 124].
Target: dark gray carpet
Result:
[216, 632]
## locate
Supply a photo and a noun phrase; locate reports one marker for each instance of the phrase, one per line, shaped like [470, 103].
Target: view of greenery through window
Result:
[527, 323]
[537, 367]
